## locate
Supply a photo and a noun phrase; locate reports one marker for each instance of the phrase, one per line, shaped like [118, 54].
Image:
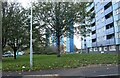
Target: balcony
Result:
[110, 31]
[93, 20]
[107, 4]
[110, 41]
[107, 42]
[108, 10]
[90, 7]
[93, 28]
[93, 36]
[109, 20]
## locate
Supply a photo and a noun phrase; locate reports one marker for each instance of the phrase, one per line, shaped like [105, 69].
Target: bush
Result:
[44, 50]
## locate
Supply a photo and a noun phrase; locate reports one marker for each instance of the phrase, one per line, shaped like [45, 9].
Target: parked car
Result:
[20, 53]
[8, 54]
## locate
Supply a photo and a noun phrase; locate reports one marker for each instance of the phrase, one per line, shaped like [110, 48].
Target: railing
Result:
[108, 10]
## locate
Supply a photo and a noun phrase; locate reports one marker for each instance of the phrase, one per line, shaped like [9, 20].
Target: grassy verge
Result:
[53, 62]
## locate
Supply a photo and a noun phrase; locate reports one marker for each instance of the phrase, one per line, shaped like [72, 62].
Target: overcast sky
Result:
[25, 3]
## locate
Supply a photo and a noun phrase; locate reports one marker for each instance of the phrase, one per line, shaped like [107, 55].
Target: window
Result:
[93, 24]
[92, 9]
[92, 15]
[110, 36]
[108, 15]
[109, 25]
[94, 40]
[93, 32]
[112, 48]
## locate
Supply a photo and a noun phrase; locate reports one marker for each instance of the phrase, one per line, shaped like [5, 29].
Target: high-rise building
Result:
[66, 41]
[105, 26]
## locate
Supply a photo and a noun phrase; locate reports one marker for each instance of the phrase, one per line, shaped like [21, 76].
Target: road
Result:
[89, 71]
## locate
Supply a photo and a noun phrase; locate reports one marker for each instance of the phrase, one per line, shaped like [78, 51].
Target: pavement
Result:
[80, 72]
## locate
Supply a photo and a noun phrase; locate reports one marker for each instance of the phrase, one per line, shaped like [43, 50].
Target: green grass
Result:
[53, 62]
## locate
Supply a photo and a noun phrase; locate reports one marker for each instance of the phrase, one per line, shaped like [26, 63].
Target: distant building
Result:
[66, 42]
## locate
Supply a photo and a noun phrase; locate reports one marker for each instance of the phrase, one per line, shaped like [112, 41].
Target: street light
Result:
[31, 50]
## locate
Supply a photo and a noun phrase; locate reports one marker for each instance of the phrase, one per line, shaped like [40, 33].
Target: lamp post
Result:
[15, 49]
[31, 50]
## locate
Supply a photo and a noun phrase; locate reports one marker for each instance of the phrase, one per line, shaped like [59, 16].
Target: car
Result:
[8, 54]
[20, 53]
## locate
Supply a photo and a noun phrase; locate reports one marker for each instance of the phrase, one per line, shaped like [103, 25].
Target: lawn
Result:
[53, 62]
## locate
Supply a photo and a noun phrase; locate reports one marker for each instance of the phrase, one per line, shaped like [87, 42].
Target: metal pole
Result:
[31, 50]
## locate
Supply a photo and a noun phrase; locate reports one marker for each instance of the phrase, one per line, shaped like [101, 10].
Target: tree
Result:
[86, 21]
[38, 30]
[59, 16]
[4, 9]
[14, 24]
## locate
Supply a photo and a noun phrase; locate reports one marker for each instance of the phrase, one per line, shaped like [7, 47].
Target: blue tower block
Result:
[70, 40]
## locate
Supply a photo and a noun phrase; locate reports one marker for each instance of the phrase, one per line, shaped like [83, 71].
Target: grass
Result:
[53, 62]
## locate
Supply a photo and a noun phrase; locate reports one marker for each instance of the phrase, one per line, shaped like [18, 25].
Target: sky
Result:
[25, 3]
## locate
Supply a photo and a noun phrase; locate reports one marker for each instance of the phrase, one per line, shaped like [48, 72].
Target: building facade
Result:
[105, 26]
[66, 41]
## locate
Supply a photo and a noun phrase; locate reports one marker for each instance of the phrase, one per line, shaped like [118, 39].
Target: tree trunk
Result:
[15, 49]
[58, 45]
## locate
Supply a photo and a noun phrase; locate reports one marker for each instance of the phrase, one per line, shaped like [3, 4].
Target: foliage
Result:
[58, 18]
[85, 20]
[7, 48]
[44, 50]
[52, 62]
[14, 26]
